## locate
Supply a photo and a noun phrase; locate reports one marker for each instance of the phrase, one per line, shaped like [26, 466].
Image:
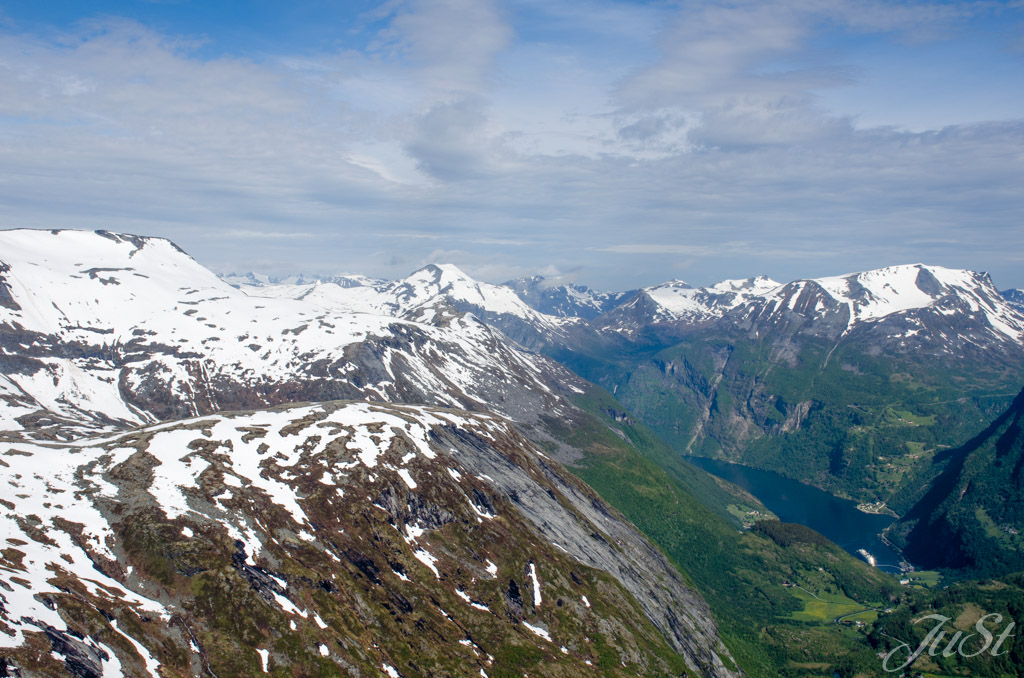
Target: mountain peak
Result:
[444, 274]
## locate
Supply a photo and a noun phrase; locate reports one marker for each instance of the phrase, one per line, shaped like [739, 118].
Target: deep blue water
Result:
[793, 502]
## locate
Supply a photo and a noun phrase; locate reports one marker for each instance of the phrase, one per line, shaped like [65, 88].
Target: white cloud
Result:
[452, 43]
[575, 149]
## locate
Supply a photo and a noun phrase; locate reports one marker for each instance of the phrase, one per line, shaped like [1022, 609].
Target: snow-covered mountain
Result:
[371, 537]
[678, 304]
[910, 306]
[252, 279]
[100, 330]
[424, 294]
[565, 300]
[1015, 297]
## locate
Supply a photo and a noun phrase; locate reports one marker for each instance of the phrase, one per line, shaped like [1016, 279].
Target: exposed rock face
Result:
[811, 377]
[344, 536]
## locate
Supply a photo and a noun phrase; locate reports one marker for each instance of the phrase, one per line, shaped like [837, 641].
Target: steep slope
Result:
[903, 308]
[330, 539]
[972, 515]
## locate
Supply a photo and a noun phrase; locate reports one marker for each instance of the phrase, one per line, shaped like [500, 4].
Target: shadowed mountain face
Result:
[972, 515]
[312, 539]
[1015, 297]
[566, 300]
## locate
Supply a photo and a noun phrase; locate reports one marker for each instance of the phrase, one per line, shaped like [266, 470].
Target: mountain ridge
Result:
[864, 297]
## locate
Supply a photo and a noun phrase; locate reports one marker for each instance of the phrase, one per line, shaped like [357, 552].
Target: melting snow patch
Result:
[407, 478]
[187, 531]
[152, 665]
[413, 532]
[492, 569]
[585, 601]
[479, 513]
[324, 650]
[319, 622]
[391, 670]
[287, 605]
[536, 584]
[539, 631]
[427, 559]
[455, 474]
[264, 657]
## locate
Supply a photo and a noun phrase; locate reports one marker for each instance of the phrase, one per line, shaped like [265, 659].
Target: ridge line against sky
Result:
[618, 144]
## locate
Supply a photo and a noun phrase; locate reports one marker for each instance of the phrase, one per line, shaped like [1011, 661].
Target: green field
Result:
[924, 578]
[823, 607]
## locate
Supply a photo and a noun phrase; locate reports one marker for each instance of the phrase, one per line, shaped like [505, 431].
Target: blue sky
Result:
[612, 143]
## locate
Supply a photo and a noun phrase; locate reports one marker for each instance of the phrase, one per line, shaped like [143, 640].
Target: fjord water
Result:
[838, 519]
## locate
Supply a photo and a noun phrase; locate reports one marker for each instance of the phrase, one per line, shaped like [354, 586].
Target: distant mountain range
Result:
[830, 307]
[1015, 297]
[808, 378]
